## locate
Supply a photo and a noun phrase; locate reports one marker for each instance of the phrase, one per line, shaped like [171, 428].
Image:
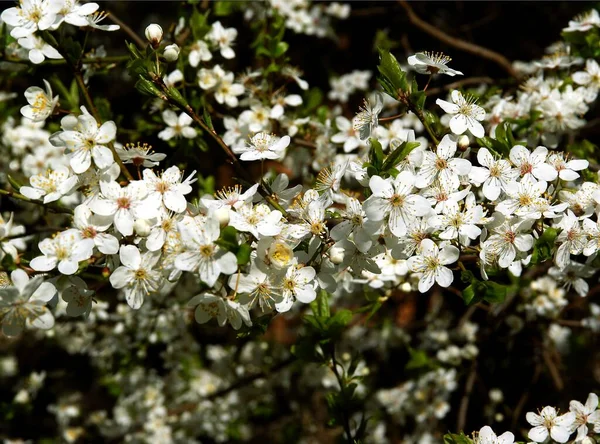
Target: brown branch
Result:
[554, 372]
[525, 396]
[460, 83]
[464, 403]
[130, 32]
[455, 42]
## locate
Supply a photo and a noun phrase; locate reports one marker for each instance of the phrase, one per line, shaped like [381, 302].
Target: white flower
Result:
[567, 169]
[572, 239]
[432, 63]
[227, 92]
[199, 52]
[201, 254]
[532, 164]
[10, 241]
[258, 220]
[92, 226]
[94, 19]
[494, 175]
[346, 135]
[138, 275]
[38, 49]
[521, 198]
[353, 226]
[24, 303]
[72, 12]
[41, 103]
[171, 52]
[223, 38]
[487, 436]
[177, 126]
[394, 197]
[584, 22]
[367, 119]
[78, 297]
[263, 146]
[298, 283]
[88, 143]
[442, 165]
[457, 223]
[139, 155]
[30, 16]
[209, 306]
[231, 197]
[509, 236]
[66, 250]
[257, 286]
[548, 422]
[169, 189]
[585, 414]
[430, 262]
[465, 114]
[52, 185]
[124, 204]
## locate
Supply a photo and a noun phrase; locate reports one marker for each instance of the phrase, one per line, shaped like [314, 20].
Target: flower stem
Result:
[54, 207]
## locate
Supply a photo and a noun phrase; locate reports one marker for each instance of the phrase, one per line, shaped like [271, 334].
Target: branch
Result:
[455, 42]
[460, 83]
[52, 206]
[140, 42]
[464, 403]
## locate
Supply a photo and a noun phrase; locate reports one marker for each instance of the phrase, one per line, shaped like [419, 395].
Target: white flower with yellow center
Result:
[28, 17]
[431, 264]
[177, 126]
[41, 103]
[52, 185]
[38, 49]
[66, 250]
[169, 188]
[264, 146]
[466, 114]
[88, 142]
[24, 303]
[138, 275]
[201, 254]
[298, 283]
[223, 38]
[432, 63]
[209, 306]
[258, 220]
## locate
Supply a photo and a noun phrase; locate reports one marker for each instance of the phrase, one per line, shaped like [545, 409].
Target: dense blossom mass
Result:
[469, 199]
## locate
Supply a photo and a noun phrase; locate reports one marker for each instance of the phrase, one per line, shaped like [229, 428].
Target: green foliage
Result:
[199, 24]
[454, 438]
[479, 290]
[544, 246]
[392, 77]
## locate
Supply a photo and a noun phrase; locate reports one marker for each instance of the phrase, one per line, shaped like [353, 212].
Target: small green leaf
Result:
[280, 49]
[320, 306]
[376, 154]
[399, 154]
[243, 254]
[392, 77]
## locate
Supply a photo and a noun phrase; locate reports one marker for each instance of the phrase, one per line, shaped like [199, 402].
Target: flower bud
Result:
[171, 52]
[463, 142]
[142, 227]
[154, 34]
[222, 216]
[336, 255]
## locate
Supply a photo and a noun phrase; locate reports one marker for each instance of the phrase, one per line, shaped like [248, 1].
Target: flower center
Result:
[123, 203]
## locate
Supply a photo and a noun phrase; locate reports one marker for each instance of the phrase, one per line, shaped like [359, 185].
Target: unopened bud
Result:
[222, 216]
[171, 52]
[336, 255]
[142, 227]
[463, 142]
[154, 34]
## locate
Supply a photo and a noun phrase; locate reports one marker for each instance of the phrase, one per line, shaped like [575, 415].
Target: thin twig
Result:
[130, 32]
[471, 48]
[86, 60]
[459, 84]
[464, 403]
[52, 206]
[554, 372]
[525, 396]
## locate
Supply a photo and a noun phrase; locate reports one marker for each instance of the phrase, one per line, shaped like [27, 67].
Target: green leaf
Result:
[494, 292]
[320, 306]
[199, 24]
[207, 118]
[243, 254]
[544, 246]
[73, 98]
[453, 438]
[376, 154]
[392, 77]
[280, 49]
[312, 99]
[399, 154]
[418, 360]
